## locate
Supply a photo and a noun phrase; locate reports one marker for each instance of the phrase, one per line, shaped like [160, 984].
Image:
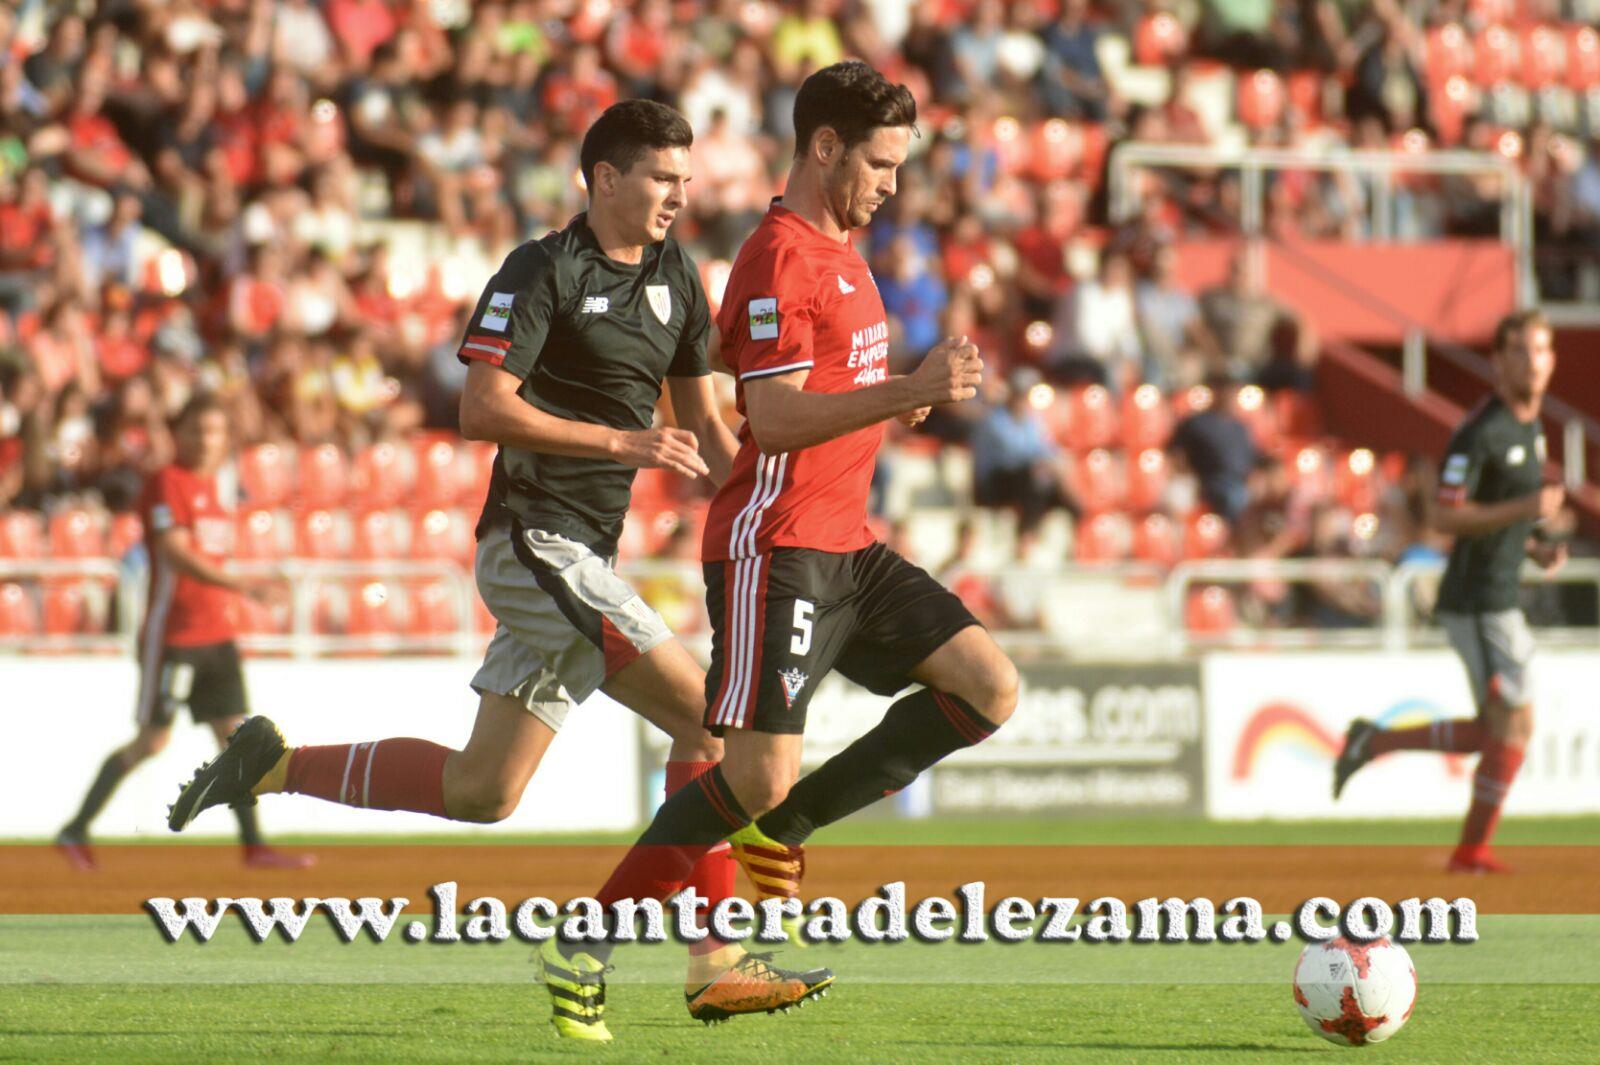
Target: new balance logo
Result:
[595, 305]
[845, 286]
[793, 682]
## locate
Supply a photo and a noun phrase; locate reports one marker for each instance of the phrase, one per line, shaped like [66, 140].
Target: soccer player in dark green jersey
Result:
[1494, 500]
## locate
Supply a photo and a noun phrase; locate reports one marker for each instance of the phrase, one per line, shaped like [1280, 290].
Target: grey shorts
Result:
[1496, 649]
[566, 621]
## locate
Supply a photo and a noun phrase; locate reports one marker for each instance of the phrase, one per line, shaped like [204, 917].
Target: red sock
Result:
[1462, 736]
[712, 876]
[394, 774]
[1496, 770]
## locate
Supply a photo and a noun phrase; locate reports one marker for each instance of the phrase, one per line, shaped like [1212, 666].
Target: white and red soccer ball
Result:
[1355, 993]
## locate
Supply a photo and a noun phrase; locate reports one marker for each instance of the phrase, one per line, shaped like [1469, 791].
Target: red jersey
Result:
[797, 300]
[183, 611]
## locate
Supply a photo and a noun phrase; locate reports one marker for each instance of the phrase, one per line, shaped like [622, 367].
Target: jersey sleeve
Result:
[767, 330]
[167, 504]
[690, 358]
[512, 319]
[1462, 469]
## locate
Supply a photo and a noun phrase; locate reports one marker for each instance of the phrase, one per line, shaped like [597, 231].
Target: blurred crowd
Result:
[294, 202]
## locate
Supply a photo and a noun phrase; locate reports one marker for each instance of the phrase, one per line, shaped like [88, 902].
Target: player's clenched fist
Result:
[1550, 498]
[673, 449]
[950, 373]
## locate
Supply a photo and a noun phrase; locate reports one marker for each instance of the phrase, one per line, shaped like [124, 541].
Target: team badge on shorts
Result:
[793, 681]
[660, 297]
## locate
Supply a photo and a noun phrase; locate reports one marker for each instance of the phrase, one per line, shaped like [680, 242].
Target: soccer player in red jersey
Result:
[187, 655]
[796, 584]
[1494, 501]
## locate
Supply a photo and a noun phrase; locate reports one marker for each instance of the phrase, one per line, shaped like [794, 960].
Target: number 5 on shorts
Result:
[800, 642]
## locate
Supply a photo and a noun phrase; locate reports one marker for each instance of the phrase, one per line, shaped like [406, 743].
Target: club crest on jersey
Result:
[1516, 455]
[845, 287]
[660, 297]
[793, 681]
[595, 305]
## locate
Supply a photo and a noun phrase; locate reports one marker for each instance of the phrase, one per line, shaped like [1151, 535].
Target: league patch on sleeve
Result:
[1455, 470]
[161, 516]
[497, 315]
[764, 319]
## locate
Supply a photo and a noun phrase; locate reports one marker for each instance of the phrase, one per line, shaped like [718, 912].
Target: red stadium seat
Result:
[319, 536]
[381, 535]
[375, 610]
[1158, 39]
[1495, 11]
[65, 611]
[1261, 99]
[1191, 400]
[1148, 474]
[1260, 416]
[1583, 58]
[1297, 414]
[1146, 418]
[1055, 150]
[1495, 54]
[432, 609]
[1448, 54]
[21, 534]
[264, 619]
[1309, 468]
[443, 536]
[19, 615]
[266, 475]
[262, 535]
[1209, 611]
[76, 533]
[126, 532]
[1544, 57]
[1010, 144]
[1356, 480]
[1205, 535]
[1304, 88]
[1158, 539]
[441, 475]
[1103, 538]
[324, 477]
[480, 469]
[1091, 418]
[383, 475]
[1450, 108]
[1097, 482]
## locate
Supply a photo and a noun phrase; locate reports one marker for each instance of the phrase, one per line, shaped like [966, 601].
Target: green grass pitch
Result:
[111, 989]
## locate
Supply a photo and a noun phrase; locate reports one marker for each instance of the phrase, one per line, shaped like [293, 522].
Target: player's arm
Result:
[1458, 515]
[694, 404]
[785, 417]
[174, 547]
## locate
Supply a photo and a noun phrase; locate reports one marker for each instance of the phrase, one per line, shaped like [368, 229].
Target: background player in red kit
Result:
[796, 584]
[187, 655]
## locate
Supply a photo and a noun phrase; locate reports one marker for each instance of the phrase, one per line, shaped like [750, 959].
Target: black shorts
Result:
[208, 680]
[781, 621]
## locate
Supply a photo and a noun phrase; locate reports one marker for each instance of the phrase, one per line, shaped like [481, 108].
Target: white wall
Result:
[60, 717]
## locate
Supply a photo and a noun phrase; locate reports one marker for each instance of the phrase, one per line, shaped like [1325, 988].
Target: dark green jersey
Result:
[591, 339]
[1492, 458]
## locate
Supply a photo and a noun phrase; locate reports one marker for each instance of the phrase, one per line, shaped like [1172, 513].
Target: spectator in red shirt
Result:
[359, 27]
[96, 152]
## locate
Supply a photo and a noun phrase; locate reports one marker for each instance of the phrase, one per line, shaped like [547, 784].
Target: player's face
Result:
[202, 440]
[649, 196]
[1527, 361]
[864, 177]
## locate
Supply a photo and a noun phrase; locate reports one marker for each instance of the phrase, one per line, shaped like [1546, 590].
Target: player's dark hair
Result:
[200, 403]
[1517, 322]
[626, 130]
[852, 99]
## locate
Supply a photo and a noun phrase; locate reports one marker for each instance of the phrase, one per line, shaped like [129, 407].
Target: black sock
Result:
[112, 770]
[918, 731]
[249, 826]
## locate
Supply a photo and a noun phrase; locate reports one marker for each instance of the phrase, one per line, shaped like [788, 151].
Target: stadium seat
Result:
[1103, 538]
[1544, 56]
[443, 536]
[381, 535]
[264, 619]
[19, 615]
[383, 475]
[1495, 56]
[1356, 480]
[441, 474]
[1055, 150]
[76, 533]
[1447, 54]
[1097, 482]
[432, 609]
[1583, 58]
[1091, 418]
[1260, 416]
[21, 534]
[1209, 611]
[375, 610]
[1009, 144]
[1449, 109]
[126, 533]
[1158, 39]
[262, 535]
[1157, 539]
[480, 469]
[319, 536]
[324, 477]
[266, 475]
[1310, 470]
[1205, 535]
[1297, 414]
[1147, 474]
[1191, 400]
[1260, 99]
[1304, 88]
[66, 613]
[1500, 12]
[1146, 418]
